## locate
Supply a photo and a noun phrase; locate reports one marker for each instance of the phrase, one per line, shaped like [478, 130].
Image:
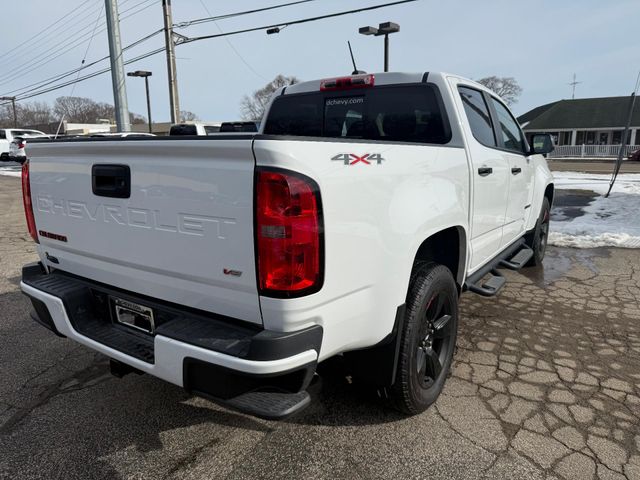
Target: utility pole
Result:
[13, 103]
[117, 66]
[573, 84]
[174, 102]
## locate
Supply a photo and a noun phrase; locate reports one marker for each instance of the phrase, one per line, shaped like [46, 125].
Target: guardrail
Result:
[597, 151]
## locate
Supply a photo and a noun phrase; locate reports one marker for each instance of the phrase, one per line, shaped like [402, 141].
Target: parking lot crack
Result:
[190, 459]
[82, 379]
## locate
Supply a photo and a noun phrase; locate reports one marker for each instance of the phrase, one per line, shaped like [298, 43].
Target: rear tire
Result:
[537, 240]
[428, 338]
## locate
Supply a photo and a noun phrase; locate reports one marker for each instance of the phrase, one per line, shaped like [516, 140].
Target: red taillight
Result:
[288, 234]
[28, 205]
[346, 83]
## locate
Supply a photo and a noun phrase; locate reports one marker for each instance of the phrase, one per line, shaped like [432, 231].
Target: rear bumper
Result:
[208, 355]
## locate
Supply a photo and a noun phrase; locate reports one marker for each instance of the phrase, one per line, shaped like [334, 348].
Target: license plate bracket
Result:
[133, 315]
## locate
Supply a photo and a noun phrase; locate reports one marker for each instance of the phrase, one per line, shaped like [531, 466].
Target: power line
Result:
[88, 76]
[86, 52]
[60, 76]
[37, 62]
[80, 17]
[198, 21]
[38, 92]
[298, 22]
[84, 57]
[136, 6]
[47, 56]
[235, 50]
[65, 16]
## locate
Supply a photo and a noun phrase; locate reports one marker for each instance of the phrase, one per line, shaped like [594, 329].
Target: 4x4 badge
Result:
[352, 158]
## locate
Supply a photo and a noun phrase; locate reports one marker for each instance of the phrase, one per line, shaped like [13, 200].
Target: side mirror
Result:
[541, 143]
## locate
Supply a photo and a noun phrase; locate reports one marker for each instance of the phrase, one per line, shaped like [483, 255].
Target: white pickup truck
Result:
[348, 225]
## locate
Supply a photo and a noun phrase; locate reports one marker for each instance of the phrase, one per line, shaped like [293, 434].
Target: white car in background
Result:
[16, 151]
[7, 135]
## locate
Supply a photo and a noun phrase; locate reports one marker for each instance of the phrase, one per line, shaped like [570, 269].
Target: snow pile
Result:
[606, 222]
[10, 170]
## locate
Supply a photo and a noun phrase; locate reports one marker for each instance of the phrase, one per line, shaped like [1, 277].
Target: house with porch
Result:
[585, 127]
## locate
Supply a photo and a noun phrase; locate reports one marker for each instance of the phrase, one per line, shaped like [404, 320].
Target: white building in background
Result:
[595, 123]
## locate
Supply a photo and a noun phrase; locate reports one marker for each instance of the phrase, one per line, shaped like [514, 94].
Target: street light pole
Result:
[146, 87]
[144, 74]
[385, 29]
[386, 52]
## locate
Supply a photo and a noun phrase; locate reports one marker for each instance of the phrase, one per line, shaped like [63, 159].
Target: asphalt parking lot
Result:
[546, 384]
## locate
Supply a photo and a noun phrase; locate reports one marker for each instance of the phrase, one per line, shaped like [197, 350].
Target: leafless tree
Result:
[85, 110]
[78, 109]
[506, 87]
[252, 107]
[187, 116]
[33, 113]
[27, 113]
[74, 109]
[6, 115]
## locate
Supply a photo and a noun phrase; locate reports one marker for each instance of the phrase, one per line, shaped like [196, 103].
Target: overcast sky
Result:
[540, 43]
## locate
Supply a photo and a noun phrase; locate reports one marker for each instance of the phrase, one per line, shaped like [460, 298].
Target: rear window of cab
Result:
[397, 113]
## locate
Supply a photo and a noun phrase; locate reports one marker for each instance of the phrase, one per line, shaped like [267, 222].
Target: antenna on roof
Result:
[353, 60]
[573, 84]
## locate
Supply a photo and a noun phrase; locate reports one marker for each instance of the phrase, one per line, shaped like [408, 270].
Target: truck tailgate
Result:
[183, 235]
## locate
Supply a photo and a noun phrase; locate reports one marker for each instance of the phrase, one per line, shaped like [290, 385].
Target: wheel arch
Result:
[376, 365]
[549, 192]
[447, 247]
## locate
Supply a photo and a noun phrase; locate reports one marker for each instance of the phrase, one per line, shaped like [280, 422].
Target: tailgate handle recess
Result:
[109, 180]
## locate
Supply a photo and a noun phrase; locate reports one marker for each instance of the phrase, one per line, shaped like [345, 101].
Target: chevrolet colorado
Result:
[348, 225]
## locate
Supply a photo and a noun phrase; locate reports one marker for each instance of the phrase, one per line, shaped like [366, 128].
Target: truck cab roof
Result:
[380, 78]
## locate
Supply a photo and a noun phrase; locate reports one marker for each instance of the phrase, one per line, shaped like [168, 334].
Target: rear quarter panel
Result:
[376, 216]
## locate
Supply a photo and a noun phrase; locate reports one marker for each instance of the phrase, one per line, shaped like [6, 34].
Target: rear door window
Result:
[478, 115]
[404, 113]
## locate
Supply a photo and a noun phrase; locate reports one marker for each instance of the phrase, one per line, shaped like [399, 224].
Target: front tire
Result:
[428, 338]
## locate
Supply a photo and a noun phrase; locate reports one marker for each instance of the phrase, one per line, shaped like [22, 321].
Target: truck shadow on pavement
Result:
[62, 413]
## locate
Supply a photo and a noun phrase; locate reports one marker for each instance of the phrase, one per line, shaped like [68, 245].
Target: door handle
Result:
[109, 180]
[484, 171]
[516, 170]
